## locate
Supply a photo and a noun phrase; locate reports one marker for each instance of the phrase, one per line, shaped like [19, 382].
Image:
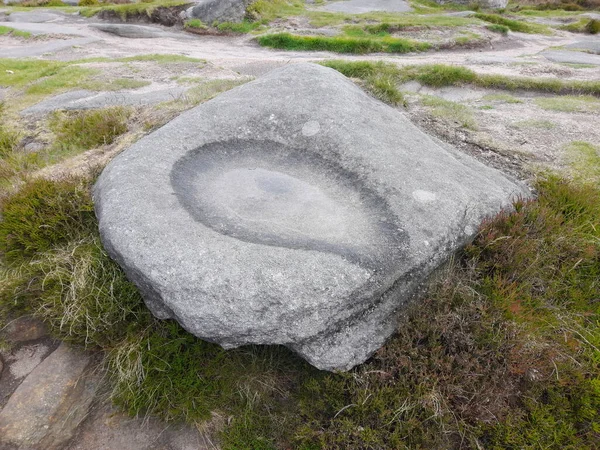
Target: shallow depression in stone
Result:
[268, 193]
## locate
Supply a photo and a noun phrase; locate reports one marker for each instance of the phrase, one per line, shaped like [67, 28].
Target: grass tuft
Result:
[569, 103]
[514, 25]
[343, 44]
[83, 130]
[13, 32]
[451, 111]
[585, 161]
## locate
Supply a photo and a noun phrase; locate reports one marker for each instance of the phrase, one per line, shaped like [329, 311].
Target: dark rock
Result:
[24, 329]
[293, 210]
[50, 403]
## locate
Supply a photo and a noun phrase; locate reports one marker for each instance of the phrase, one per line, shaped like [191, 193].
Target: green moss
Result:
[497, 28]
[195, 23]
[341, 44]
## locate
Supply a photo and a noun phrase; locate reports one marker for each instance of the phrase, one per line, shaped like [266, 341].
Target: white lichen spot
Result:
[424, 196]
[311, 128]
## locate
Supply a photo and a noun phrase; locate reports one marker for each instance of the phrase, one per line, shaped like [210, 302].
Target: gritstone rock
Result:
[209, 11]
[293, 210]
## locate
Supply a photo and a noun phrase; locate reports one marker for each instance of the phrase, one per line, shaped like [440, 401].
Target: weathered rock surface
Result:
[50, 403]
[293, 210]
[209, 11]
[24, 329]
[84, 99]
[135, 31]
[364, 6]
[571, 57]
[590, 45]
[33, 17]
[109, 429]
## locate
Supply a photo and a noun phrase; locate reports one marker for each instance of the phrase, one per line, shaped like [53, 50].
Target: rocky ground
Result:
[54, 396]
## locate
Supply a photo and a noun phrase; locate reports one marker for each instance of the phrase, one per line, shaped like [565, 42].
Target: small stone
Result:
[25, 328]
[50, 403]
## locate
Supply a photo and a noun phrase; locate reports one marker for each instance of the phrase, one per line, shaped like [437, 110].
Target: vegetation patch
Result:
[12, 32]
[128, 10]
[514, 25]
[497, 28]
[342, 44]
[503, 98]
[590, 26]
[501, 352]
[439, 75]
[585, 161]
[569, 103]
[83, 130]
[450, 111]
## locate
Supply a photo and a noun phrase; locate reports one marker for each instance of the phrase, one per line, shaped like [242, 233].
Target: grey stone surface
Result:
[570, 57]
[293, 210]
[209, 11]
[134, 31]
[84, 99]
[33, 17]
[46, 48]
[43, 28]
[109, 429]
[364, 6]
[50, 403]
[590, 45]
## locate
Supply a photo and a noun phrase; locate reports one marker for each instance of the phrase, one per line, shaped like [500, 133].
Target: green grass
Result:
[590, 26]
[450, 111]
[500, 352]
[83, 130]
[12, 32]
[514, 25]
[569, 103]
[344, 44]
[585, 161]
[130, 9]
[195, 23]
[439, 75]
[503, 98]
[535, 123]
[502, 29]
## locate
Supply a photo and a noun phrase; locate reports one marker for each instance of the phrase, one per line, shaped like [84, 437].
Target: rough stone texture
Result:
[24, 329]
[48, 47]
[571, 57]
[135, 31]
[293, 210]
[109, 429]
[33, 17]
[83, 99]
[364, 6]
[209, 11]
[591, 45]
[50, 403]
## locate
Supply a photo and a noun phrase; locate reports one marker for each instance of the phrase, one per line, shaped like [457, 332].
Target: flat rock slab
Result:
[109, 429]
[592, 46]
[47, 407]
[48, 47]
[135, 31]
[293, 210]
[43, 28]
[33, 17]
[84, 99]
[570, 57]
[365, 6]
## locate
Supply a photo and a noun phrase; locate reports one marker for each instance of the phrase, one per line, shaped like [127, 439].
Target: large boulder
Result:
[210, 11]
[293, 210]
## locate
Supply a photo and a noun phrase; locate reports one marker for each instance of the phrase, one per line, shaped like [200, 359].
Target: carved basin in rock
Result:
[293, 210]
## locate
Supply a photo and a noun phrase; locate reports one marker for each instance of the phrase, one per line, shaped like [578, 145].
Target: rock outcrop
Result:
[210, 11]
[293, 210]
